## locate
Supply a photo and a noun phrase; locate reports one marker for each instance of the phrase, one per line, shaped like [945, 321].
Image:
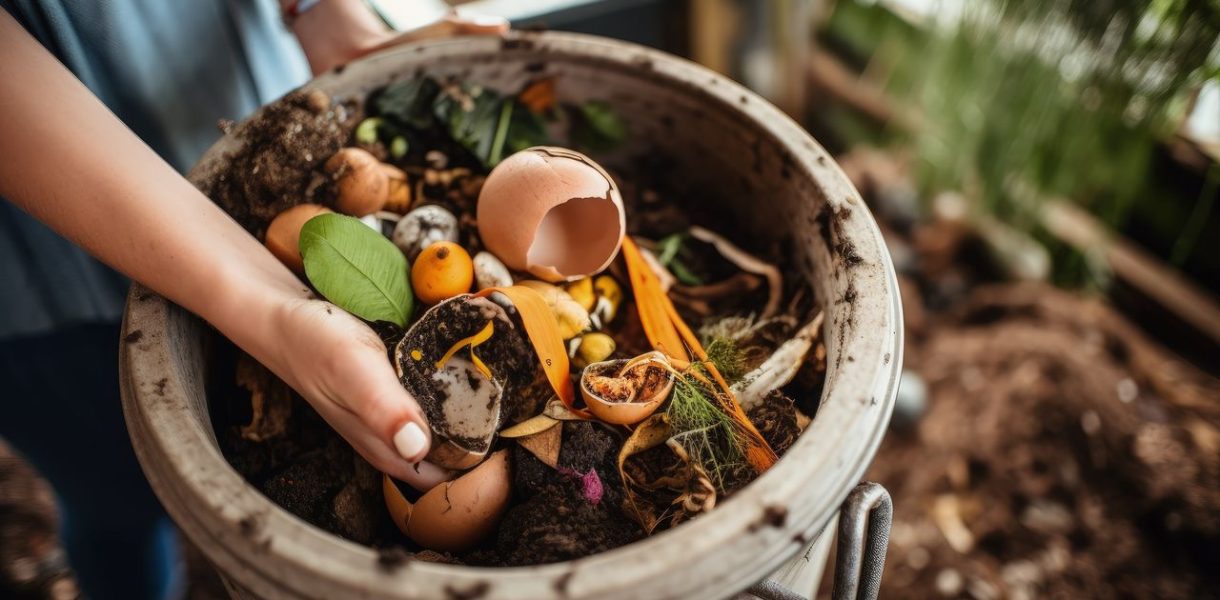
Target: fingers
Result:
[451, 25]
[478, 24]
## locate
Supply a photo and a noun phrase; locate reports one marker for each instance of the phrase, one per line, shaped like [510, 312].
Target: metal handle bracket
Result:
[864, 535]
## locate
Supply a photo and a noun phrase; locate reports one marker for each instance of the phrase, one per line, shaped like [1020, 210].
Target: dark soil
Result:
[554, 520]
[281, 163]
[278, 443]
[508, 354]
[1062, 453]
[775, 418]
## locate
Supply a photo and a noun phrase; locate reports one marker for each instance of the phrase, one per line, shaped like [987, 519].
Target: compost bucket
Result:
[774, 180]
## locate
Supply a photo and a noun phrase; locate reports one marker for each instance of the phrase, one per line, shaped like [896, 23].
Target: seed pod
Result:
[423, 227]
[625, 392]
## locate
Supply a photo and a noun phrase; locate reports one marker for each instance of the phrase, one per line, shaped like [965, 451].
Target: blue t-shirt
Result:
[170, 71]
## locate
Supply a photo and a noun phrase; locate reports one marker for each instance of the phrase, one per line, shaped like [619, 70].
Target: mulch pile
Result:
[1062, 455]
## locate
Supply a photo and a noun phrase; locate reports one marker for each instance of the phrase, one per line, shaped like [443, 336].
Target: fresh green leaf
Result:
[398, 147]
[497, 144]
[471, 117]
[597, 127]
[408, 103]
[684, 275]
[357, 269]
[668, 247]
[526, 130]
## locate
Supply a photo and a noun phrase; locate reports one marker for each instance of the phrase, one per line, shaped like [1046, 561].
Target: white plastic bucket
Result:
[780, 183]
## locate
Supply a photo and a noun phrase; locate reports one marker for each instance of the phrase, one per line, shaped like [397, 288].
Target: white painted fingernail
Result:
[410, 441]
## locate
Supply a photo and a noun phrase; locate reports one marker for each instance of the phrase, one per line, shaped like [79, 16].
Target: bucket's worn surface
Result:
[776, 182]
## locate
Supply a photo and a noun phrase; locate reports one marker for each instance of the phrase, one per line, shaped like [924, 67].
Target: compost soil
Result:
[279, 444]
[1062, 455]
[1062, 452]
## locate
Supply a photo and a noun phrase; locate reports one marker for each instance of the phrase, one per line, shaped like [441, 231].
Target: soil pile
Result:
[1062, 455]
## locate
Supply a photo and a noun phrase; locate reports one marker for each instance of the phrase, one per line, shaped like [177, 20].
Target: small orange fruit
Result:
[443, 270]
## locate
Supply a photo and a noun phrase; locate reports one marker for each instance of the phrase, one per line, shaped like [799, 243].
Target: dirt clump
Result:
[280, 162]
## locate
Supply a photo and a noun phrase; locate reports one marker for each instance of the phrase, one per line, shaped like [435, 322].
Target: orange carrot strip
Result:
[672, 336]
[647, 287]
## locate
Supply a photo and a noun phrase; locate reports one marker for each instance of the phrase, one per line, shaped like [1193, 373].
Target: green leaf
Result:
[357, 269]
[471, 118]
[597, 127]
[408, 103]
[526, 130]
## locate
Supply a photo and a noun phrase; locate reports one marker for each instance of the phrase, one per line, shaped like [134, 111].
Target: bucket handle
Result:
[864, 534]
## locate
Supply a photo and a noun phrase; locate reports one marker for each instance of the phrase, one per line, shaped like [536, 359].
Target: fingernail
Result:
[410, 441]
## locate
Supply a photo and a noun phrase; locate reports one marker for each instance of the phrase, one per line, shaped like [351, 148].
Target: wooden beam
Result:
[1134, 265]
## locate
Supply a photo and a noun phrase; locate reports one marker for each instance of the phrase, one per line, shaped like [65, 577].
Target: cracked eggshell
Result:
[456, 515]
[552, 212]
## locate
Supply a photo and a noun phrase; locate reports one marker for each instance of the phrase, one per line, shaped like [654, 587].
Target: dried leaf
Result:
[530, 426]
[546, 444]
[557, 410]
[652, 432]
[270, 400]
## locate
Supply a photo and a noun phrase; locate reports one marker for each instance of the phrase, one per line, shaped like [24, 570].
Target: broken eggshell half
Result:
[627, 391]
[455, 515]
[552, 212]
[469, 364]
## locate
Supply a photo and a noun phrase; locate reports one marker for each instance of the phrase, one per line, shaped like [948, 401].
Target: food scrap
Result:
[557, 361]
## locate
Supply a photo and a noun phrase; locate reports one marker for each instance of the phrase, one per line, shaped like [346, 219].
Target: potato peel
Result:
[652, 432]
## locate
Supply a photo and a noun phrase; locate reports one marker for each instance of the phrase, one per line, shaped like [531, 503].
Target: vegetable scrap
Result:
[552, 348]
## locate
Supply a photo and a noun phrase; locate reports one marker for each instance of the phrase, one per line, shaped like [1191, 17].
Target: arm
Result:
[72, 164]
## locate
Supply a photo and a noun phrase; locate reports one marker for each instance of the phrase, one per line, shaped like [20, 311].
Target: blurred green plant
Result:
[1018, 101]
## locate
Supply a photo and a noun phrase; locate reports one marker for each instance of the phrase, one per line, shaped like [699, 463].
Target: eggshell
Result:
[284, 233]
[621, 413]
[552, 212]
[456, 515]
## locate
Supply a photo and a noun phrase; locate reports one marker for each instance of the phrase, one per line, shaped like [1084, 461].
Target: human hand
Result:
[339, 365]
[335, 32]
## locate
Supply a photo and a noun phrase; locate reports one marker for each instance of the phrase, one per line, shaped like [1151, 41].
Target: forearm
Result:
[73, 165]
